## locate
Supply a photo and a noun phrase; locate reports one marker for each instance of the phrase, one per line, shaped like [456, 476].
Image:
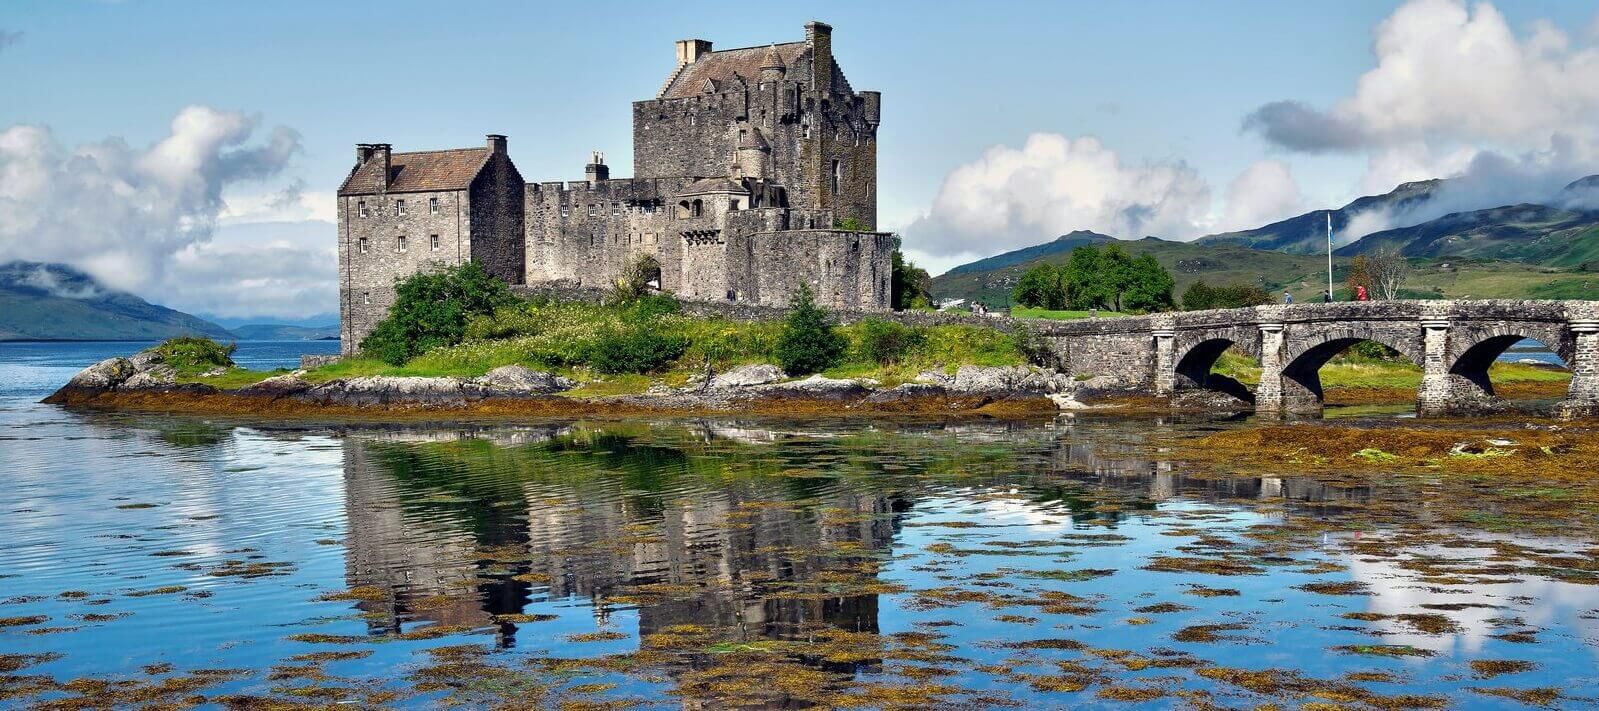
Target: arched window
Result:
[682, 209]
[696, 209]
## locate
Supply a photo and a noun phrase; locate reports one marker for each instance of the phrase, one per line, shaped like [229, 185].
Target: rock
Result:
[907, 392]
[279, 386]
[515, 380]
[748, 375]
[391, 390]
[143, 360]
[104, 375]
[815, 387]
[1008, 381]
[934, 377]
[153, 378]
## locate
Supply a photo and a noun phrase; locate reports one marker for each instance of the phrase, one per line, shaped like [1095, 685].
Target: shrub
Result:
[887, 342]
[1035, 349]
[640, 348]
[634, 281]
[810, 342]
[432, 311]
[651, 305]
[1202, 296]
[188, 354]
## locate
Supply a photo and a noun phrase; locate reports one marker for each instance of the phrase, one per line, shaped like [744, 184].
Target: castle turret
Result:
[772, 66]
[596, 170]
[754, 154]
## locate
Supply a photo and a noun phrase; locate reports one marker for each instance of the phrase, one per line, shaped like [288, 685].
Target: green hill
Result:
[56, 302]
[1530, 234]
[1307, 233]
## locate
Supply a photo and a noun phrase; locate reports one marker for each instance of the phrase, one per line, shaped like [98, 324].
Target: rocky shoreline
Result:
[144, 382]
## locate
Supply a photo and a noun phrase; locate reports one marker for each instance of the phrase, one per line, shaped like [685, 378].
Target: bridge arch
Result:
[1474, 348]
[1306, 353]
[1198, 351]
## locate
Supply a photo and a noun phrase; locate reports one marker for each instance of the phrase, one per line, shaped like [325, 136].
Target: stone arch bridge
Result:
[1453, 342]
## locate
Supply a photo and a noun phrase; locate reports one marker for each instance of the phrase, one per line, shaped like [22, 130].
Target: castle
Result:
[748, 165]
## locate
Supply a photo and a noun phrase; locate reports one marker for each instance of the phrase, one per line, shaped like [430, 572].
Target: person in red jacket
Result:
[1360, 294]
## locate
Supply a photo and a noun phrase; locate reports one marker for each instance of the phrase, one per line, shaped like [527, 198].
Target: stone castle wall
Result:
[498, 212]
[366, 280]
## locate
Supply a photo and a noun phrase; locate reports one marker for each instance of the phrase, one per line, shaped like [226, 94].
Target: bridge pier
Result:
[1165, 361]
[1438, 393]
[1582, 400]
[1269, 395]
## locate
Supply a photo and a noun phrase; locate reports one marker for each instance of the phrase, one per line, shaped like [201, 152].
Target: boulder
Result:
[143, 360]
[516, 380]
[1008, 380]
[279, 386]
[907, 392]
[391, 390]
[104, 375]
[815, 387]
[748, 375]
[155, 377]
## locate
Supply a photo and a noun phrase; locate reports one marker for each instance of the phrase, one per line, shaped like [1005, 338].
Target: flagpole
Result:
[1329, 255]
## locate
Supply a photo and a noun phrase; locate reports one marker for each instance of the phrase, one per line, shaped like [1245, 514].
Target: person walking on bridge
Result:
[1287, 297]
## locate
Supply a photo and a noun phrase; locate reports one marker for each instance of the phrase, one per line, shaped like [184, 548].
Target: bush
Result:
[432, 311]
[887, 342]
[188, 354]
[1035, 349]
[635, 280]
[810, 342]
[640, 348]
[1201, 296]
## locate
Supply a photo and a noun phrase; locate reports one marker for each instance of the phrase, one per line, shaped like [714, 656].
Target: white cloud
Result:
[1014, 197]
[144, 220]
[1264, 193]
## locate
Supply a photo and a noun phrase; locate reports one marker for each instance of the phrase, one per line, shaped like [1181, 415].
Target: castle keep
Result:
[747, 164]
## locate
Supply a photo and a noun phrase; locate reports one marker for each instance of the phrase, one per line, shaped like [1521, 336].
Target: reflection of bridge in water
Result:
[1453, 342]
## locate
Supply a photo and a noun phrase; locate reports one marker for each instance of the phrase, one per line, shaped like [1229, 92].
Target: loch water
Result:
[875, 564]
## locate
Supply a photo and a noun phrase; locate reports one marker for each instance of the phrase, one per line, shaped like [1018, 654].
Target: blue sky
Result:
[1157, 93]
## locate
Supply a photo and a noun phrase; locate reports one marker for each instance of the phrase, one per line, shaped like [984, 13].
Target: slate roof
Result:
[721, 67]
[422, 171]
[706, 186]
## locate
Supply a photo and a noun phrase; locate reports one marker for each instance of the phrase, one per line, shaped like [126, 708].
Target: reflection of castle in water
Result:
[459, 542]
[440, 553]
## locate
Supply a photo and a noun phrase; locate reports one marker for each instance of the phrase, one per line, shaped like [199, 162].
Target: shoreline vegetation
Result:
[458, 341]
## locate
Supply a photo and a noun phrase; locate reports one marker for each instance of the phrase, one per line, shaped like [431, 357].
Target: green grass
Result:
[233, 379]
[1028, 312]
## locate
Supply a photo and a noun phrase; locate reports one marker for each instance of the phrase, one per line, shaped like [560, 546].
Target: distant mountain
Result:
[56, 302]
[1063, 244]
[284, 332]
[1307, 233]
[1529, 234]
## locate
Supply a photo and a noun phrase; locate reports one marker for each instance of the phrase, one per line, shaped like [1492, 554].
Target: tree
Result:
[1202, 296]
[432, 309]
[1389, 269]
[1360, 274]
[1146, 286]
[909, 285]
[1116, 269]
[1041, 287]
[636, 279]
[810, 342]
[1086, 286]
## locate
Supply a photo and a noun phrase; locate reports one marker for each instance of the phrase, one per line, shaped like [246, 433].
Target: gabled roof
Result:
[721, 67]
[422, 171]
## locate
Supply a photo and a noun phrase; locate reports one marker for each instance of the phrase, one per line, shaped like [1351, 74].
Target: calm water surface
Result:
[1051, 563]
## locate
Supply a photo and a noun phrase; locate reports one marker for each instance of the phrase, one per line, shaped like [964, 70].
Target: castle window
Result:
[399, 208]
[366, 297]
[565, 211]
[591, 209]
[838, 173]
[433, 242]
[433, 206]
[361, 245]
[361, 206]
[691, 120]
[696, 209]
[616, 209]
[399, 244]
[805, 130]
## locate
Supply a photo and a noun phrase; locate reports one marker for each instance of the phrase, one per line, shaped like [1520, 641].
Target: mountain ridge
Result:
[54, 302]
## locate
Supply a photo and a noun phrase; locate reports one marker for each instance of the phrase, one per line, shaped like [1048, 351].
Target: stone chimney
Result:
[381, 152]
[689, 51]
[819, 36]
[596, 170]
[363, 151]
[496, 144]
